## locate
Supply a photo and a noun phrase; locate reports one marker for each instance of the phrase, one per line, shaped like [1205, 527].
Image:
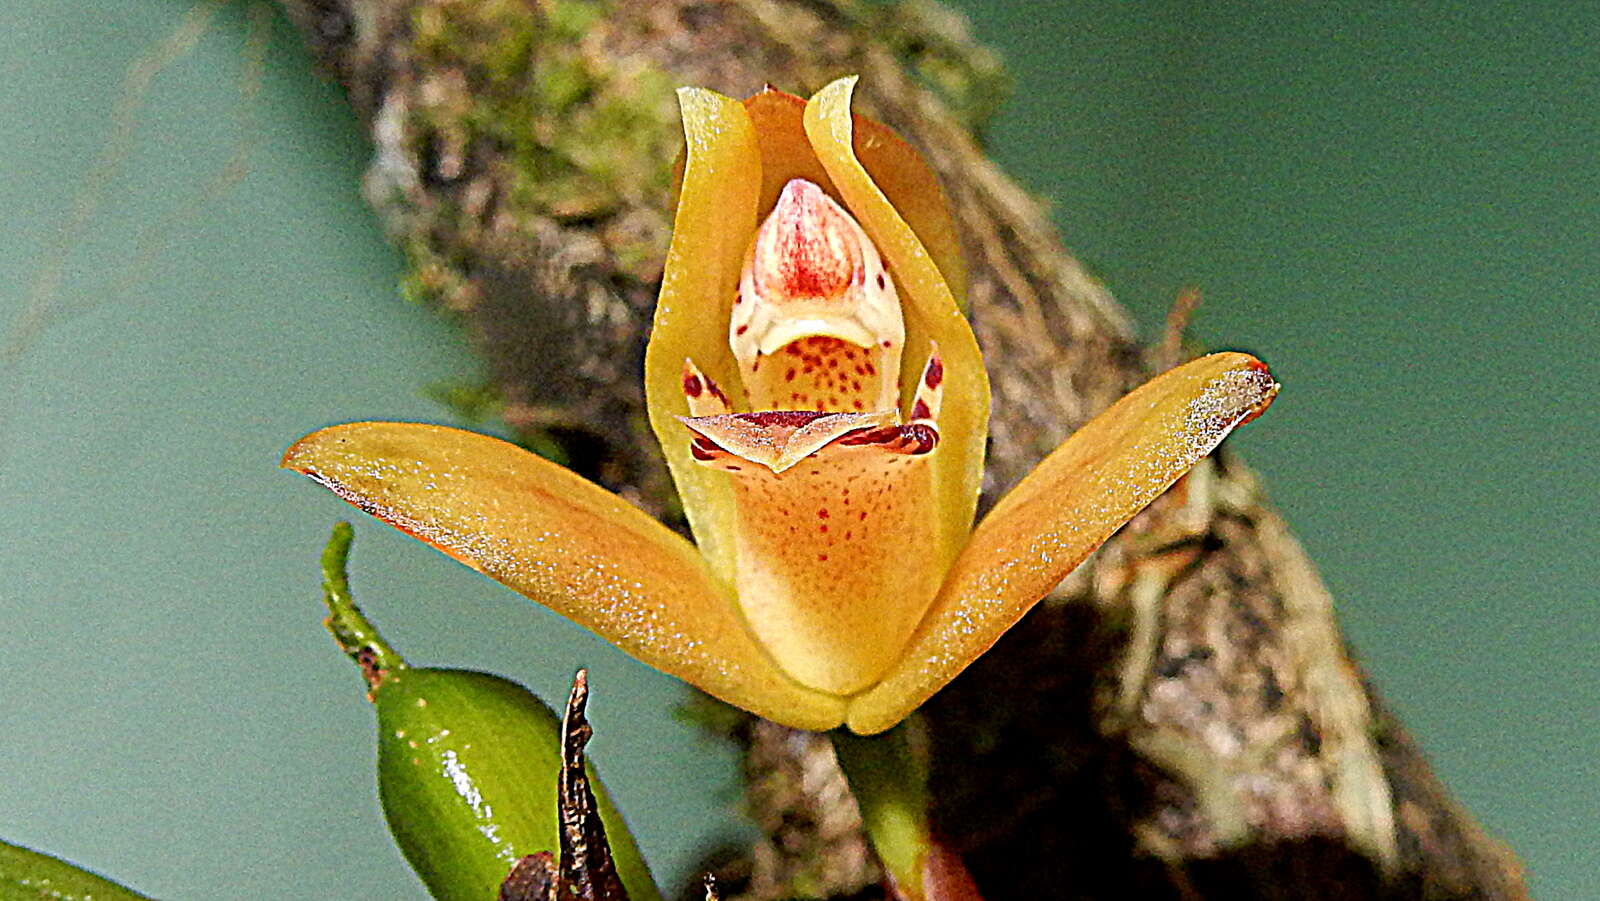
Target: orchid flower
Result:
[823, 407]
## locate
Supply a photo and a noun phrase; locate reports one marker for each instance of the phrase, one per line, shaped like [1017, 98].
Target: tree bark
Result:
[1180, 719]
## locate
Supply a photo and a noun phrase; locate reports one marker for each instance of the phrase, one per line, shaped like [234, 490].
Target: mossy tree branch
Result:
[1182, 719]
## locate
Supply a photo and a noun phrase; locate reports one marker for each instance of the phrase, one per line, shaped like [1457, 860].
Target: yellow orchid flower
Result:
[823, 407]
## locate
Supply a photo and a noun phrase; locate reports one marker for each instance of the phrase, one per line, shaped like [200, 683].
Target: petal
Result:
[715, 219]
[832, 573]
[564, 543]
[1058, 514]
[932, 315]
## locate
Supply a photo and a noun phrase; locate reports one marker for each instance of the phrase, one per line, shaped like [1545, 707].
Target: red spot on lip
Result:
[921, 411]
[741, 329]
[792, 418]
[935, 373]
[916, 438]
[691, 385]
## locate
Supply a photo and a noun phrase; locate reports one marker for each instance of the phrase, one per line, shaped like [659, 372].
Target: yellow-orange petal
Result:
[1058, 514]
[931, 313]
[835, 570]
[564, 543]
[716, 215]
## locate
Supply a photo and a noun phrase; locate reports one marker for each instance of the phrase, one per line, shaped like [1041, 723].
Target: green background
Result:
[1397, 209]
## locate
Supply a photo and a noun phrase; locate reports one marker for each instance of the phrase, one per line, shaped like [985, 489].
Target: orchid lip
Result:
[780, 439]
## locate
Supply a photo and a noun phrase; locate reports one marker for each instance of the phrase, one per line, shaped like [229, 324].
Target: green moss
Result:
[428, 279]
[581, 137]
[572, 19]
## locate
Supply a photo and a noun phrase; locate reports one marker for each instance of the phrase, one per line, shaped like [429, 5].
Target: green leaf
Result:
[30, 876]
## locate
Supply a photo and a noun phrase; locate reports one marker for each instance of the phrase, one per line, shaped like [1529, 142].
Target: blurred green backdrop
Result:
[1397, 209]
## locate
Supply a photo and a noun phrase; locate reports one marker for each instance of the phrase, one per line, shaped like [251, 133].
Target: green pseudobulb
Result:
[467, 769]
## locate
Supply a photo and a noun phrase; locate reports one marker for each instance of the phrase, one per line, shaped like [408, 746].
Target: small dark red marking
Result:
[741, 329]
[823, 513]
[871, 436]
[871, 369]
[925, 437]
[921, 411]
[792, 418]
[880, 281]
[699, 454]
[916, 438]
[935, 373]
[738, 297]
[822, 558]
[691, 385]
[888, 344]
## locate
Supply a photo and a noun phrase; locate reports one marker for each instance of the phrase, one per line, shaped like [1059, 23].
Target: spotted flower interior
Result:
[829, 478]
